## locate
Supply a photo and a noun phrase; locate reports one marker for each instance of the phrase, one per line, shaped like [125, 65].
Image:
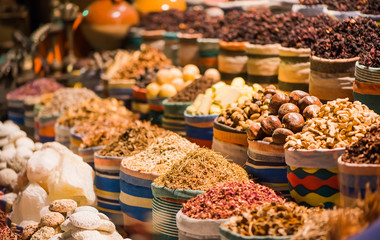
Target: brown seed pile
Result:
[366, 150]
[127, 65]
[229, 199]
[91, 109]
[270, 219]
[158, 157]
[338, 124]
[201, 169]
[190, 92]
[103, 131]
[134, 140]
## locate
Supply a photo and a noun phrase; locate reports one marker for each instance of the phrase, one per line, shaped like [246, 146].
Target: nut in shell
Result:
[280, 134]
[269, 124]
[293, 122]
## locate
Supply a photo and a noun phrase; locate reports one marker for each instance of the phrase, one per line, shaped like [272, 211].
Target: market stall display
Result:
[311, 155]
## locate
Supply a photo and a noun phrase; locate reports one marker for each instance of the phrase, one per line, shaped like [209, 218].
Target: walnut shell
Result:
[287, 108]
[308, 100]
[293, 122]
[311, 111]
[277, 100]
[269, 124]
[280, 134]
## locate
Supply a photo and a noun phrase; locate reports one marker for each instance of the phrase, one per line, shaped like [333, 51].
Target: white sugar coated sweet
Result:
[87, 235]
[106, 226]
[85, 219]
[86, 208]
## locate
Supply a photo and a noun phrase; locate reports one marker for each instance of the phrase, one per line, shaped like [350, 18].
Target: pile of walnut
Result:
[272, 115]
[338, 124]
[67, 221]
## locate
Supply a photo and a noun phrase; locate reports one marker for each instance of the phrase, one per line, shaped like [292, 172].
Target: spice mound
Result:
[229, 199]
[338, 124]
[91, 109]
[366, 150]
[190, 92]
[201, 169]
[35, 88]
[160, 155]
[64, 99]
[103, 131]
[134, 140]
[270, 219]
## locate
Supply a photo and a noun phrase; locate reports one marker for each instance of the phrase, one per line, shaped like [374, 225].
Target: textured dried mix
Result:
[201, 169]
[36, 88]
[366, 150]
[270, 219]
[371, 7]
[339, 123]
[190, 92]
[160, 155]
[229, 199]
[91, 109]
[134, 140]
[64, 99]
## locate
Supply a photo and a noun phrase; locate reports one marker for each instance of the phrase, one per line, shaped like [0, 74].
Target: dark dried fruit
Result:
[293, 122]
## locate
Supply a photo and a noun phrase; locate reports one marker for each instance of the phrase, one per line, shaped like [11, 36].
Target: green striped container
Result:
[174, 119]
[313, 176]
[171, 46]
[227, 234]
[208, 53]
[367, 86]
[166, 204]
[188, 49]
[107, 186]
[232, 60]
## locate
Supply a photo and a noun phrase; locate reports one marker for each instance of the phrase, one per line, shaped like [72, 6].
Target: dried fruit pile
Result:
[134, 140]
[209, 27]
[127, 65]
[191, 91]
[201, 169]
[35, 88]
[345, 39]
[366, 150]
[64, 99]
[91, 109]
[160, 155]
[338, 124]
[229, 199]
[370, 57]
[371, 7]
[166, 20]
[103, 131]
[270, 219]
[84, 222]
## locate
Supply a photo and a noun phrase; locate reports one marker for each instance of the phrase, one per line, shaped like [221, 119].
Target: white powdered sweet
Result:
[86, 208]
[85, 220]
[106, 226]
[87, 235]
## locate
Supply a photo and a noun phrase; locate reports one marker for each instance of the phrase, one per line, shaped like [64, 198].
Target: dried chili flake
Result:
[229, 199]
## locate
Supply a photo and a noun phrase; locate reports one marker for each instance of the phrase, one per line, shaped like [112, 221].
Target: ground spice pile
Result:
[366, 150]
[91, 109]
[134, 140]
[201, 169]
[270, 219]
[190, 92]
[6, 233]
[229, 199]
[160, 155]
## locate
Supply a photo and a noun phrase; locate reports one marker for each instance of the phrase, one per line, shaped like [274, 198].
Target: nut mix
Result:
[134, 140]
[270, 219]
[128, 65]
[158, 157]
[103, 131]
[228, 199]
[272, 115]
[366, 150]
[338, 124]
[201, 169]
[64, 99]
[91, 109]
